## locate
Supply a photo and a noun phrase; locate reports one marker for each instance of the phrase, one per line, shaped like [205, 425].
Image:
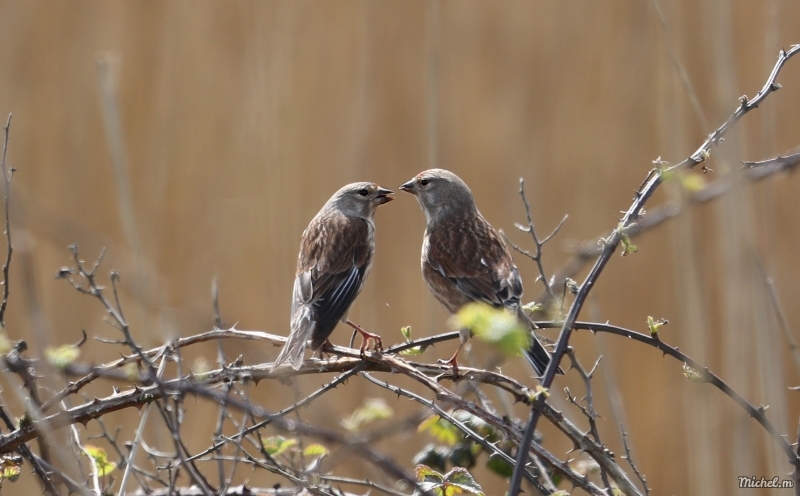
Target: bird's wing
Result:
[335, 256]
[471, 254]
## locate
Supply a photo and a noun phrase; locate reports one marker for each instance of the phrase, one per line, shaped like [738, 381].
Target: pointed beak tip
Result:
[408, 187]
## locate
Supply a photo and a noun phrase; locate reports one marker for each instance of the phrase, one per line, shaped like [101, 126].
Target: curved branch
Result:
[758, 413]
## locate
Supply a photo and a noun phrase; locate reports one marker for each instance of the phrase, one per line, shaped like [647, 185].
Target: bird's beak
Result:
[409, 187]
[381, 197]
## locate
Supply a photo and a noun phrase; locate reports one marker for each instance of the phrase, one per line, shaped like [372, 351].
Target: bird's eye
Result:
[363, 192]
[424, 182]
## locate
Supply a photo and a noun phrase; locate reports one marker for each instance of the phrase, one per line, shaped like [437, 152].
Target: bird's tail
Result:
[537, 354]
[302, 328]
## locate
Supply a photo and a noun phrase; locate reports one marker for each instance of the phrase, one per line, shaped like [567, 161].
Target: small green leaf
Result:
[654, 325]
[277, 445]
[538, 392]
[533, 307]
[5, 343]
[131, 371]
[201, 369]
[441, 429]
[628, 248]
[693, 182]
[499, 327]
[459, 479]
[406, 332]
[104, 466]
[315, 450]
[426, 474]
[416, 350]
[431, 488]
[25, 421]
[11, 473]
[373, 409]
[63, 356]
[692, 374]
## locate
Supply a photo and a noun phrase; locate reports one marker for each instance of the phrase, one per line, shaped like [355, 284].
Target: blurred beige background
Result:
[240, 119]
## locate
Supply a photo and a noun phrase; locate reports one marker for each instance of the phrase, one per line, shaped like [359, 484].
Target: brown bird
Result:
[463, 257]
[336, 254]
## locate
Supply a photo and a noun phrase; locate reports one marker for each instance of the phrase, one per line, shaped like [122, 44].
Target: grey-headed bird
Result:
[336, 253]
[463, 257]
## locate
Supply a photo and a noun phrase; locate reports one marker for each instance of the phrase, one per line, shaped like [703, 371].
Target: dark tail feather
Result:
[539, 358]
[537, 355]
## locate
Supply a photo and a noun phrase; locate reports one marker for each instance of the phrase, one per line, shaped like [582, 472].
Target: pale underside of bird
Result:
[336, 253]
[464, 259]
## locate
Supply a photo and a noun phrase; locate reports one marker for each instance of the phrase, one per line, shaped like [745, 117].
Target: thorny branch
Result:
[628, 457]
[652, 182]
[537, 243]
[588, 411]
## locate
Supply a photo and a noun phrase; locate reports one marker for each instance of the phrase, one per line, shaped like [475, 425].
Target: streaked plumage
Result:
[336, 253]
[463, 257]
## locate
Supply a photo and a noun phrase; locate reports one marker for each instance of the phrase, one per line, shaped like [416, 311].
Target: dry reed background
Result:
[240, 119]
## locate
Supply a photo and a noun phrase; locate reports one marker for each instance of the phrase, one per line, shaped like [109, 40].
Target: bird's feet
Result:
[367, 337]
[453, 361]
[327, 347]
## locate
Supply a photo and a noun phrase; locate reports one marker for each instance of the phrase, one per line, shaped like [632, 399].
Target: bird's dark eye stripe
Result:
[424, 182]
[363, 192]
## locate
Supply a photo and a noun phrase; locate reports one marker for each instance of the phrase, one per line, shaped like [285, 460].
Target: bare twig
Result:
[138, 437]
[537, 243]
[95, 477]
[7, 194]
[783, 323]
[589, 410]
[628, 457]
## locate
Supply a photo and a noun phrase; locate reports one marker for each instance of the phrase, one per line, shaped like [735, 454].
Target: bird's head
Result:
[440, 192]
[360, 199]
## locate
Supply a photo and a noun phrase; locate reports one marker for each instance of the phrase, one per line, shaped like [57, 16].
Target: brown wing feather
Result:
[335, 257]
[331, 247]
[471, 254]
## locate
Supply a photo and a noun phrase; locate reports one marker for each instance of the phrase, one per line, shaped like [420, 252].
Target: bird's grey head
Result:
[359, 199]
[440, 192]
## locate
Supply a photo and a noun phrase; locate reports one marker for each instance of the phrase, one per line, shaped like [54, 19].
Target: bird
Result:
[336, 254]
[464, 259]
